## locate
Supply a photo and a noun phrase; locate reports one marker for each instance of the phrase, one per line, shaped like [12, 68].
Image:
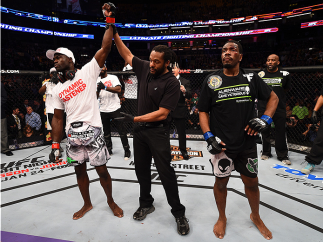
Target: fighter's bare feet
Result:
[219, 228]
[262, 227]
[83, 211]
[117, 211]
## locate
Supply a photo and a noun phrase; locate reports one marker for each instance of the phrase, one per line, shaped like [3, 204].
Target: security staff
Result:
[158, 94]
[315, 156]
[180, 113]
[279, 80]
[227, 120]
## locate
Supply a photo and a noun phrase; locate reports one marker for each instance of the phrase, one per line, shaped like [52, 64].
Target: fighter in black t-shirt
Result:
[227, 120]
[158, 94]
[279, 80]
[315, 156]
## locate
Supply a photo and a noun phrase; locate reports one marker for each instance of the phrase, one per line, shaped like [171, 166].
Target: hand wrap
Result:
[214, 146]
[259, 124]
[54, 153]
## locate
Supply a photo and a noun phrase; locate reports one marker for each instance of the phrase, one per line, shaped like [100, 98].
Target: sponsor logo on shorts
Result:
[214, 81]
[252, 165]
[84, 134]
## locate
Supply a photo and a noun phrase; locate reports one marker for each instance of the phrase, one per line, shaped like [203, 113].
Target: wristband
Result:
[110, 20]
[268, 119]
[55, 145]
[208, 135]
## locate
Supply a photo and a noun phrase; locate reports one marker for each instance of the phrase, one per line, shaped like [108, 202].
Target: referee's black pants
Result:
[180, 124]
[279, 120]
[316, 153]
[154, 142]
[106, 122]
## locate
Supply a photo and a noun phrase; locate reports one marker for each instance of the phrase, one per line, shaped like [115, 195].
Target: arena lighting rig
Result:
[46, 32]
[200, 36]
[269, 16]
[142, 38]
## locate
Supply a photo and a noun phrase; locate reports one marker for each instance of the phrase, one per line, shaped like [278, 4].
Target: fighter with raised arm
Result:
[76, 94]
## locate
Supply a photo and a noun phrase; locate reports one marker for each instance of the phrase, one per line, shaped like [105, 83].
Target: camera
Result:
[292, 121]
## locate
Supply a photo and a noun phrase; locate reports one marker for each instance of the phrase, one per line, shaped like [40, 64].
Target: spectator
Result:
[300, 110]
[311, 132]
[288, 111]
[4, 134]
[194, 119]
[194, 100]
[33, 119]
[28, 131]
[15, 124]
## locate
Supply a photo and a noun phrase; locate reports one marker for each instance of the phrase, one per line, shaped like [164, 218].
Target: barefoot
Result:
[219, 228]
[81, 213]
[262, 227]
[116, 210]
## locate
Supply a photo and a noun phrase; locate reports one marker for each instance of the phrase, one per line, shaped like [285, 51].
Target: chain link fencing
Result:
[26, 122]
[22, 90]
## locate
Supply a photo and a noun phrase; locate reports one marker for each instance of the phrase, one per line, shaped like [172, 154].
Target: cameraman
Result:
[311, 131]
[48, 86]
[315, 156]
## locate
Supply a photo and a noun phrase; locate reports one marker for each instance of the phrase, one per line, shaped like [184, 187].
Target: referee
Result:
[280, 82]
[158, 94]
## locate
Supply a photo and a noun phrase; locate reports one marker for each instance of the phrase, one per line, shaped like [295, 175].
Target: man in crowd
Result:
[227, 120]
[179, 115]
[33, 119]
[47, 89]
[158, 94]
[4, 134]
[107, 91]
[15, 125]
[77, 96]
[300, 110]
[315, 156]
[279, 81]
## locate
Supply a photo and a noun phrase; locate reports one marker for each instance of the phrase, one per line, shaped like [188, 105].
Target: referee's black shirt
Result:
[163, 91]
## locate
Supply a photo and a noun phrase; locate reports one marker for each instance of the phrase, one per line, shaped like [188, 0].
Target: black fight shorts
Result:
[245, 162]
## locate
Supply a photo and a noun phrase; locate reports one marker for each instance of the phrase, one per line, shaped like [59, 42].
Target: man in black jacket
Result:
[4, 135]
[15, 124]
[179, 115]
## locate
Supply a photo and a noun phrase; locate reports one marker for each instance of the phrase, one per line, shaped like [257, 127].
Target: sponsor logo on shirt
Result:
[261, 74]
[234, 92]
[108, 83]
[275, 82]
[249, 76]
[129, 81]
[72, 90]
[214, 81]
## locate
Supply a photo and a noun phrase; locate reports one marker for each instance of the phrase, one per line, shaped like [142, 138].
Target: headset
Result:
[68, 75]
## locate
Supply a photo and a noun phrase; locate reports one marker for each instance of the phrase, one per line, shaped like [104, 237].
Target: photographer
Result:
[311, 132]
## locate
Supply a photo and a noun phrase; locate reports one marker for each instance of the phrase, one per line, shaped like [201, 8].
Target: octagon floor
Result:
[38, 201]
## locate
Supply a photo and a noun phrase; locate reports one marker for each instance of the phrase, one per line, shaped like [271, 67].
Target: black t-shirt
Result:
[230, 102]
[321, 93]
[279, 81]
[153, 93]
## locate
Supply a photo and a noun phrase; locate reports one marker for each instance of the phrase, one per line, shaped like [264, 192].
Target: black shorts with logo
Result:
[245, 162]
